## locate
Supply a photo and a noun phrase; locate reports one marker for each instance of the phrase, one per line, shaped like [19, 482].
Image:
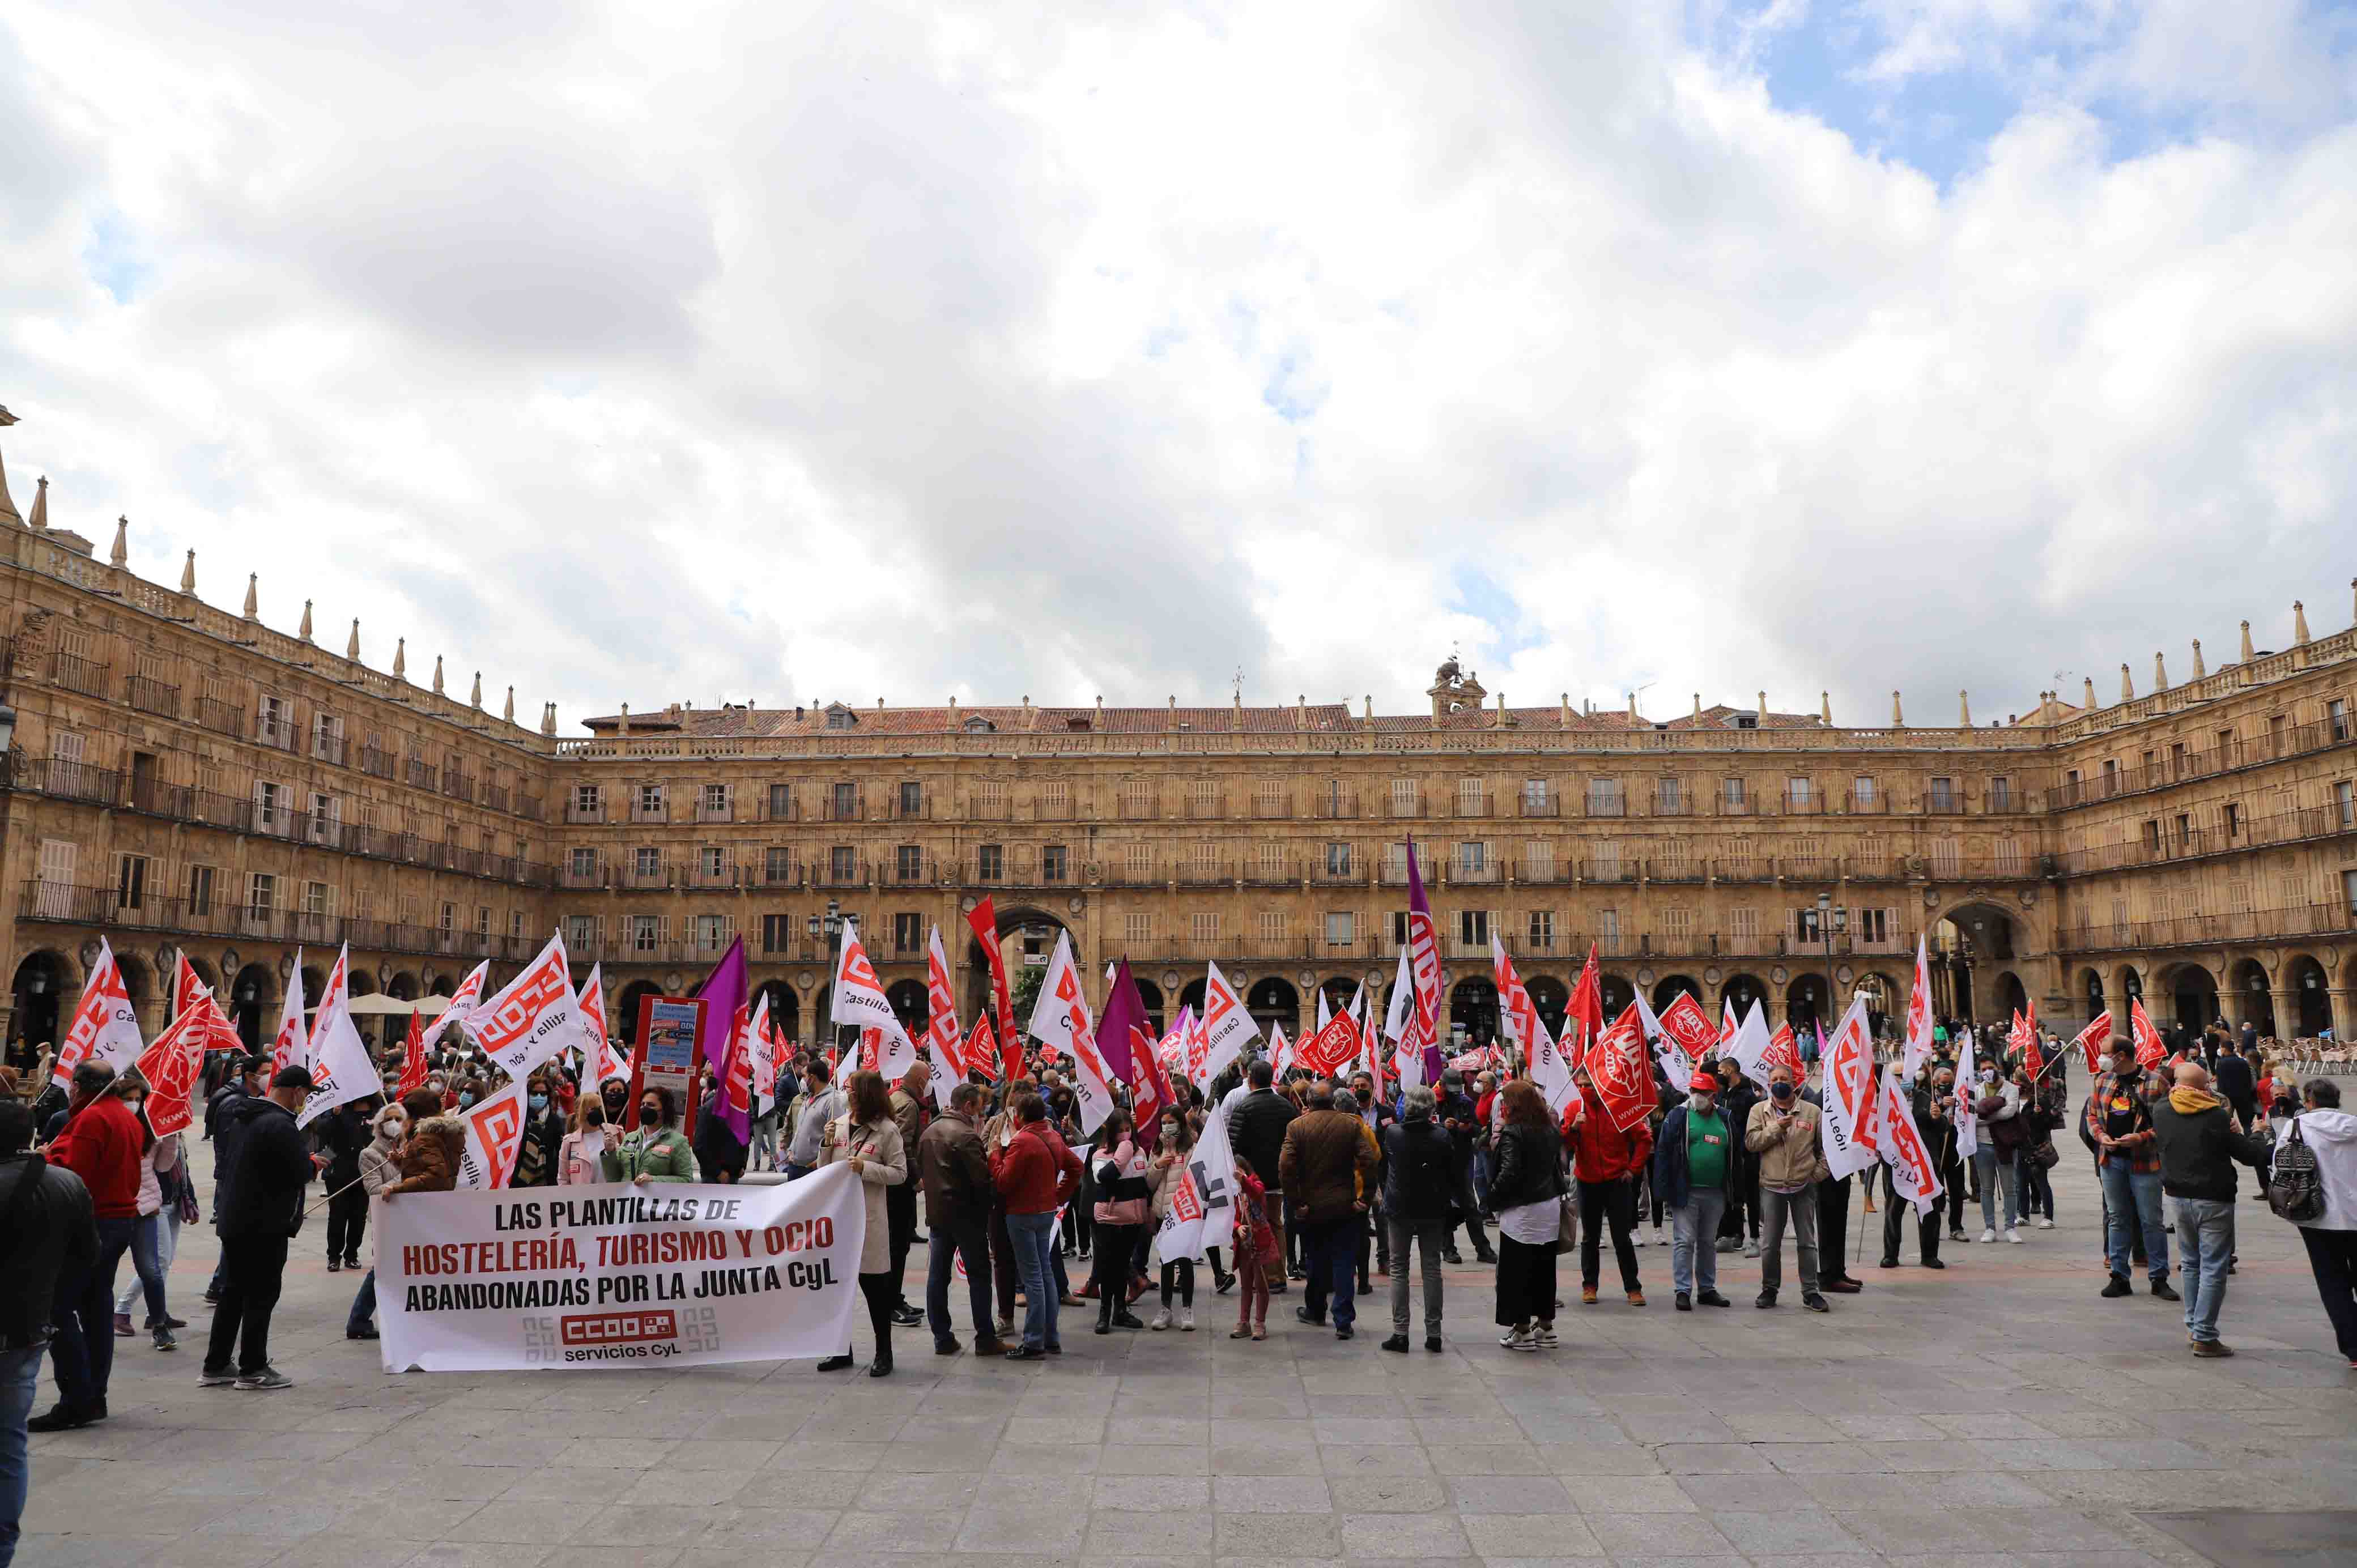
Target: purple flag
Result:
[1423, 968]
[723, 989]
[1124, 1007]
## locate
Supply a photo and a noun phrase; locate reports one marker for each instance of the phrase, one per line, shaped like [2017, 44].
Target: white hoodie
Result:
[2332, 1134]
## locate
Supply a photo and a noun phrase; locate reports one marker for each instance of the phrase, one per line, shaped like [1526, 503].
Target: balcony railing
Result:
[221, 717]
[329, 747]
[77, 674]
[2198, 930]
[152, 696]
[577, 810]
[1547, 806]
[275, 729]
[421, 774]
[1335, 808]
[377, 763]
[67, 781]
[828, 873]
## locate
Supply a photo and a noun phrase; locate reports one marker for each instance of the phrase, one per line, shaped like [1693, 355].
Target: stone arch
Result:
[1022, 928]
[1616, 991]
[38, 995]
[1552, 997]
[138, 977]
[205, 971]
[1337, 989]
[626, 1019]
[1473, 1007]
[2252, 990]
[1972, 942]
[361, 982]
[2009, 995]
[911, 1005]
[403, 984]
[2091, 991]
[1886, 998]
[785, 1008]
[252, 994]
[2311, 994]
[1745, 991]
[2192, 994]
[1271, 1000]
[1667, 990]
[1807, 1003]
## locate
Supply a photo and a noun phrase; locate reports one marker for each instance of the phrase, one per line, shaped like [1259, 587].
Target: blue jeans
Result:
[2132, 1196]
[1034, 1236]
[1330, 1259]
[148, 1262]
[20, 1372]
[948, 1242]
[2205, 1235]
[363, 1306]
[1694, 1244]
[82, 1321]
[1993, 1175]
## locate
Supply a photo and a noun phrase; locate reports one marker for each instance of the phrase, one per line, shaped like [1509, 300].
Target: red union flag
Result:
[2149, 1051]
[494, 1132]
[982, 919]
[1849, 1095]
[412, 1057]
[2095, 1040]
[857, 1000]
[1331, 1049]
[1685, 1022]
[1543, 1061]
[170, 1066]
[189, 991]
[738, 1075]
[982, 1048]
[1616, 1066]
[604, 1060]
[531, 1019]
[1782, 1051]
[1227, 1024]
[291, 1043]
[1912, 1175]
[106, 1026]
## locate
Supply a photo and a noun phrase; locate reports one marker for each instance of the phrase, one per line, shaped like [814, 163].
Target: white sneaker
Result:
[1186, 1320]
[1661, 1237]
[1988, 1235]
[1753, 1251]
[2013, 1235]
[2046, 1225]
[1637, 1236]
[1544, 1336]
[1161, 1320]
[1517, 1338]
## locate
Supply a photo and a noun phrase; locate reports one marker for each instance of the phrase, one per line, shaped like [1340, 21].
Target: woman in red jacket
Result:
[1607, 1163]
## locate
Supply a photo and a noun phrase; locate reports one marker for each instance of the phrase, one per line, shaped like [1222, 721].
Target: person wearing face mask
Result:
[1694, 1164]
[1166, 1173]
[2127, 1158]
[656, 1150]
[1998, 1103]
[1935, 1103]
[1783, 1136]
[614, 1094]
[379, 1166]
[580, 1158]
[340, 1135]
[543, 1132]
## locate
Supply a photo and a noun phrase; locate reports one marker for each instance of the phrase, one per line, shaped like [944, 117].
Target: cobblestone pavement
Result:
[1997, 1412]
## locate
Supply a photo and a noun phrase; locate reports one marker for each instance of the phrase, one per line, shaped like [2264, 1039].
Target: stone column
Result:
[2286, 999]
[2345, 1011]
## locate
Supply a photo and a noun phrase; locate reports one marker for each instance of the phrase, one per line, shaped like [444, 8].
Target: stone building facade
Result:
[184, 778]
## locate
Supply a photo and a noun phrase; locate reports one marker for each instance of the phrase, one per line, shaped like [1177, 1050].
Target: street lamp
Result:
[1826, 929]
[830, 925]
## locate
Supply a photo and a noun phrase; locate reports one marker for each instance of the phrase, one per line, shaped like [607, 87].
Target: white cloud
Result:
[834, 351]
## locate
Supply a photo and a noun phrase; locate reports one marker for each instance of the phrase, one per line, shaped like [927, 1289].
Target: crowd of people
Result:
[1336, 1183]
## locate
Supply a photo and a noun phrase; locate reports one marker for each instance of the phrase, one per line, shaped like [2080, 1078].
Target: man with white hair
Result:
[2200, 1140]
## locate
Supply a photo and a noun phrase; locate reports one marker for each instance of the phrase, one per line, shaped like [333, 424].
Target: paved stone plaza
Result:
[1998, 1412]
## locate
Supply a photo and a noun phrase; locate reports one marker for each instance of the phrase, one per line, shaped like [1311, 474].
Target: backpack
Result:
[2296, 1190]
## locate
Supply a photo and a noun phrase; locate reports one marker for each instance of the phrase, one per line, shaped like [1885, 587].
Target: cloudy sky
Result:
[792, 351]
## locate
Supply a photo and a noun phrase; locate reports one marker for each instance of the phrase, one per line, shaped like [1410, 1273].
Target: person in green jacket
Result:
[656, 1150]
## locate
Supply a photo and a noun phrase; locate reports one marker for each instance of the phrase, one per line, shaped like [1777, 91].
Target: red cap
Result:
[1703, 1083]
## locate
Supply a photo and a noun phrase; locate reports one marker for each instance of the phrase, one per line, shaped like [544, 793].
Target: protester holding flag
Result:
[1607, 1164]
[909, 1114]
[340, 1135]
[261, 1208]
[866, 1138]
[2127, 1160]
[1528, 1189]
[1933, 1111]
[1693, 1164]
[820, 1104]
[1783, 1136]
[1166, 1173]
[163, 1178]
[103, 1143]
[49, 1236]
[1257, 1124]
[1035, 1174]
[429, 1157]
[1996, 1159]
[1124, 1196]
[380, 1168]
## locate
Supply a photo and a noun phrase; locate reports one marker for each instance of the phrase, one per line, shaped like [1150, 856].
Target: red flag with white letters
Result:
[2095, 1040]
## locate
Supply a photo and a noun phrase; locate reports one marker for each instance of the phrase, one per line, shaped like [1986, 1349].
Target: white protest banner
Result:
[1749, 1047]
[106, 1026]
[941, 1043]
[1528, 1031]
[856, 1001]
[341, 1068]
[532, 1018]
[494, 1133]
[1061, 1019]
[1918, 1048]
[586, 1277]
[1912, 1175]
[589, 1012]
[292, 1045]
[1202, 1210]
[1968, 1121]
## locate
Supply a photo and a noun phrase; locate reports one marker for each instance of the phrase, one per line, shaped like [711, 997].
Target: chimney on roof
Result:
[623, 726]
[121, 555]
[2246, 642]
[1825, 709]
[2127, 686]
[2198, 670]
[1897, 719]
[40, 518]
[1697, 704]
[507, 712]
[1562, 715]
[304, 631]
[401, 658]
[189, 575]
[2159, 672]
[1371, 707]
[953, 719]
[437, 675]
[1763, 708]
[1964, 710]
[253, 597]
[2299, 623]
[352, 643]
[548, 718]
[2091, 693]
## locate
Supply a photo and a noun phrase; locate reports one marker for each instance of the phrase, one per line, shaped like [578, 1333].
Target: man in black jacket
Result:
[257, 1206]
[47, 1228]
[1740, 1224]
[244, 1084]
[1417, 1185]
[2200, 1144]
[1935, 1120]
[1256, 1127]
[1457, 1111]
[340, 1135]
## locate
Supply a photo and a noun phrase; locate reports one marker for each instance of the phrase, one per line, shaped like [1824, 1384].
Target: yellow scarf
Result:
[2191, 1101]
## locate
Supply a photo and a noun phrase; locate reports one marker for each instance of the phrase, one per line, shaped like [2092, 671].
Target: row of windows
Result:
[202, 890]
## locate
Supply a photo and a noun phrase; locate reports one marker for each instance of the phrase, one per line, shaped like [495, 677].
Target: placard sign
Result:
[670, 1027]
